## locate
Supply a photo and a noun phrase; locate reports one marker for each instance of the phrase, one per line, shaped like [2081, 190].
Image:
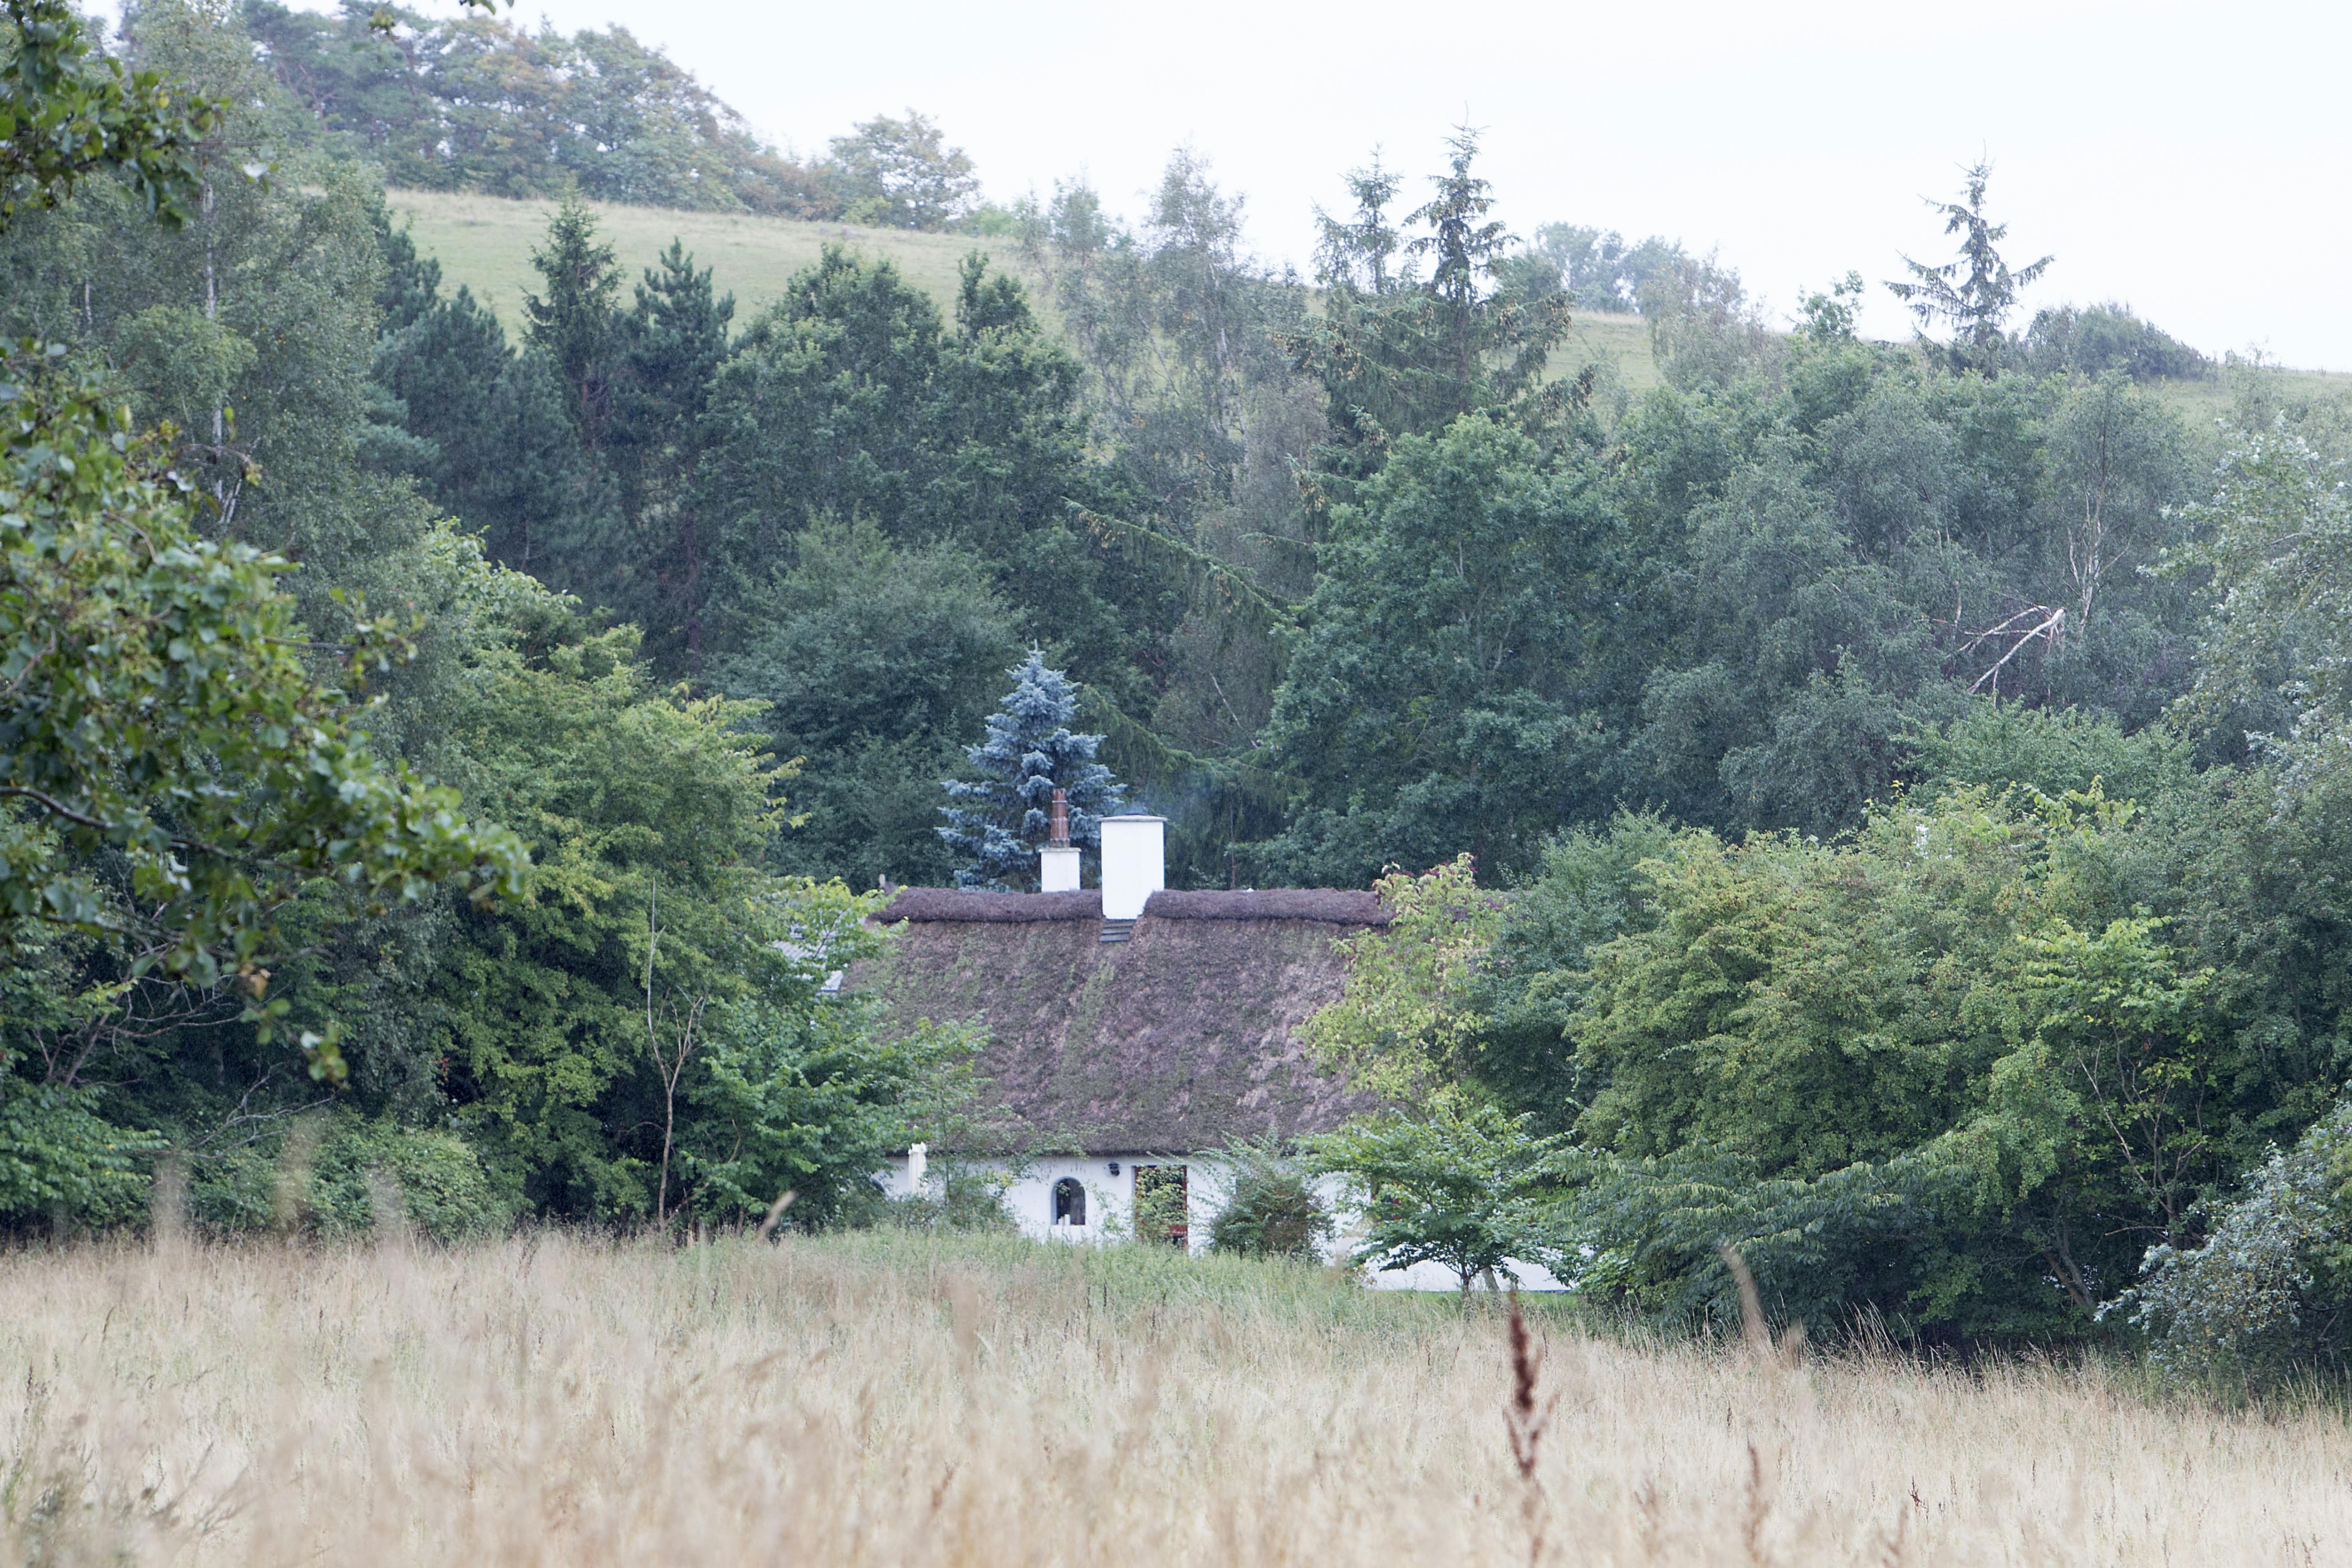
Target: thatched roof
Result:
[995, 908]
[1177, 1039]
[1335, 906]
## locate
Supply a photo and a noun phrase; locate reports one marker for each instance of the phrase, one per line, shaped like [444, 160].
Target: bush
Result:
[1273, 1210]
[434, 1176]
[971, 1200]
[332, 1177]
[1645, 1236]
[2101, 338]
[60, 1160]
[2268, 1296]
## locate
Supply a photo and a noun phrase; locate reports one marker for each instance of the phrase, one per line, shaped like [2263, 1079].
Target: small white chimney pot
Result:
[1134, 863]
[1058, 868]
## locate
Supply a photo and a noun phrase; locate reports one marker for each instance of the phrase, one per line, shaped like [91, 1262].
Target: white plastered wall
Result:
[1110, 1208]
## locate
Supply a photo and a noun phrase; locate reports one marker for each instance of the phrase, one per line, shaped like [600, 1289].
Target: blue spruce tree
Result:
[995, 825]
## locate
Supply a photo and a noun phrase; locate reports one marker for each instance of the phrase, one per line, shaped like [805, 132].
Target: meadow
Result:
[485, 243]
[897, 1398]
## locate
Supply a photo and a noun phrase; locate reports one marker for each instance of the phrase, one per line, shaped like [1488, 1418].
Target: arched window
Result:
[1069, 1202]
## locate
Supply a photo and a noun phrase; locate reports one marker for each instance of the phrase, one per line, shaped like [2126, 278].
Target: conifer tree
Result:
[670, 350]
[412, 283]
[996, 824]
[670, 346]
[499, 450]
[576, 321]
[1402, 353]
[1975, 291]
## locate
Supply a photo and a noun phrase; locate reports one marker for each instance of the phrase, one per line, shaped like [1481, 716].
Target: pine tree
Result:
[669, 351]
[412, 283]
[576, 324]
[1978, 304]
[502, 453]
[1400, 353]
[996, 824]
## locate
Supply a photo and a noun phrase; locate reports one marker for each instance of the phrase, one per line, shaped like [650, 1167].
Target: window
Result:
[1069, 1202]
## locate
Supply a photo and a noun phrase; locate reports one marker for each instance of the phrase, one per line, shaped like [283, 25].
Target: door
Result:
[1162, 1204]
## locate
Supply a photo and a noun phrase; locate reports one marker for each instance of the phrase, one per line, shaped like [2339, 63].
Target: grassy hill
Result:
[485, 242]
[1619, 341]
[2203, 402]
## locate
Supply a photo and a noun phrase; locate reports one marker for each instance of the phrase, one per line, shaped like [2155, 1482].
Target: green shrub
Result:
[332, 1178]
[60, 1159]
[964, 1200]
[1273, 1210]
[2268, 1296]
[234, 1191]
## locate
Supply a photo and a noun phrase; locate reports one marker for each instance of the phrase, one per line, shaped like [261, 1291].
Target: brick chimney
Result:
[1057, 862]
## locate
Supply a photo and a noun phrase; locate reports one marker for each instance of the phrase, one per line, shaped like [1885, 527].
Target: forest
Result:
[1876, 805]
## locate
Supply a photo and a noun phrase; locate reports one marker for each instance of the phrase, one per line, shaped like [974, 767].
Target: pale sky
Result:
[2188, 160]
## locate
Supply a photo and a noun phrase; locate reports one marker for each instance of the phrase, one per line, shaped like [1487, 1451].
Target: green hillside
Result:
[485, 243]
[2214, 397]
[1596, 338]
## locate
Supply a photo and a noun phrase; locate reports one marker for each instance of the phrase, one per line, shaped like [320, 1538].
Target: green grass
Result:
[485, 243]
[1621, 344]
[2202, 401]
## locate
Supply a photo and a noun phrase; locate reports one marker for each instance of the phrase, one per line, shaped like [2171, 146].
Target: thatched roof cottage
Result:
[1130, 1028]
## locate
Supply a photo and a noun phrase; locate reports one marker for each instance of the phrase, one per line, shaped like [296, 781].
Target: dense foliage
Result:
[67, 113]
[473, 103]
[1271, 1206]
[177, 773]
[584, 992]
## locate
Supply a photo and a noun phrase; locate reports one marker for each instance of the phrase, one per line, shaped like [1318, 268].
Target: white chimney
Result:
[1134, 863]
[1057, 862]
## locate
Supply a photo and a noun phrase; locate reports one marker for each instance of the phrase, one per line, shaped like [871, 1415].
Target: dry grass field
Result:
[898, 1400]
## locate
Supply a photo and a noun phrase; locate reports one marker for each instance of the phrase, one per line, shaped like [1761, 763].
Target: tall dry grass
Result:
[901, 1400]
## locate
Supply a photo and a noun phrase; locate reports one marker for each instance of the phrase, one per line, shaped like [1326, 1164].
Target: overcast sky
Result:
[2189, 160]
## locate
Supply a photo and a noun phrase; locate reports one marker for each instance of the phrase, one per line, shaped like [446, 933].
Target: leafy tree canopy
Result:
[67, 113]
[161, 711]
[876, 663]
[473, 103]
[901, 173]
[1461, 1185]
